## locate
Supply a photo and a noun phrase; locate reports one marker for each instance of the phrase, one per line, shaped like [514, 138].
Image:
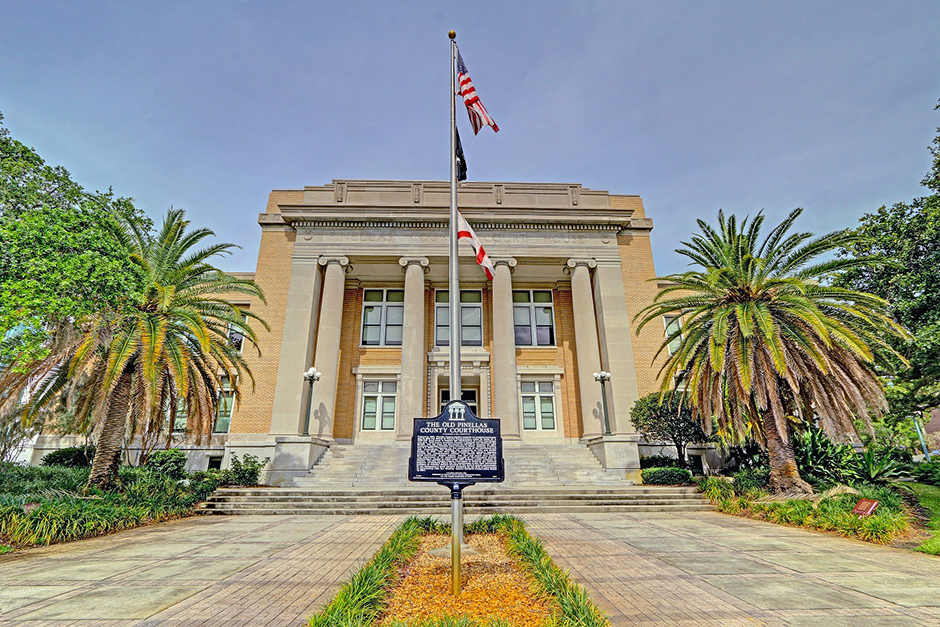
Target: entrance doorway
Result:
[467, 395]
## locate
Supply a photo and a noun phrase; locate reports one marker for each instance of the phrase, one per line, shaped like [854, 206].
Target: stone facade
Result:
[327, 252]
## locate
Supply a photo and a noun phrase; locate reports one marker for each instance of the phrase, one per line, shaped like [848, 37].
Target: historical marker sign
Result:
[864, 507]
[456, 447]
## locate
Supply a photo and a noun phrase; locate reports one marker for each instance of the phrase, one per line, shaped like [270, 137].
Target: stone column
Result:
[588, 352]
[616, 344]
[327, 355]
[300, 325]
[505, 394]
[413, 350]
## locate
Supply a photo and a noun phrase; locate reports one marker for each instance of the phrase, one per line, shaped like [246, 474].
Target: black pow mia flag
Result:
[461, 161]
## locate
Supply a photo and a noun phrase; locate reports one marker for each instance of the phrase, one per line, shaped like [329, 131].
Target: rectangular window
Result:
[673, 324]
[538, 405]
[180, 417]
[471, 318]
[383, 313]
[223, 414]
[533, 317]
[235, 336]
[378, 405]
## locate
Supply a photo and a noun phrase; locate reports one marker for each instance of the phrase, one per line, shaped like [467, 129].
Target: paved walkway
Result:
[643, 570]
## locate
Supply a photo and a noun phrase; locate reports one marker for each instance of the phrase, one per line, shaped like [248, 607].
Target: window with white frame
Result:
[223, 413]
[533, 317]
[383, 313]
[235, 336]
[471, 318]
[378, 405]
[180, 417]
[673, 325]
[538, 405]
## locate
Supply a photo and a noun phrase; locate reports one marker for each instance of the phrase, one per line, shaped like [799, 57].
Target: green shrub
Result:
[202, 483]
[874, 467]
[751, 479]
[170, 463]
[71, 457]
[666, 476]
[34, 481]
[820, 460]
[658, 461]
[245, 472]
[927, 472]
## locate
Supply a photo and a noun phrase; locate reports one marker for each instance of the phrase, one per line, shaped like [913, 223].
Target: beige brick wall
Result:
[253, 414]
[636, 257]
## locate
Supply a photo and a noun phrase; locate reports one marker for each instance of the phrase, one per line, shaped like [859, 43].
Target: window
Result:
[215, 462]
[235, 336]
[533, 317]
[538, 405]
[471, 318]
[180, 417]
[383, 313]
[223, 414]
[378, 405]
[673, 324]
[468, 396]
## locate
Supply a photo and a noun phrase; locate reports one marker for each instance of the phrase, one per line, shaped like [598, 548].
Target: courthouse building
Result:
[355, 279]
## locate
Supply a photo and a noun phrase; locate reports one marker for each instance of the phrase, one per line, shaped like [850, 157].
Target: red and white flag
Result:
[465, 232]
[478, 114]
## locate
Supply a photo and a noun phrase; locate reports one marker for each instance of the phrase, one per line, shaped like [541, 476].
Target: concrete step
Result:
[444, 509]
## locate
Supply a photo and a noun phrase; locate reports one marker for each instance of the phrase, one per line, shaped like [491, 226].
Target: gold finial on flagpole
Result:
[452, 34]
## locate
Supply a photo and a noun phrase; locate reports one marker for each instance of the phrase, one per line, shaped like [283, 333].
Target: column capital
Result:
[509, 262]
[325, 260]
[404, 262]
[573, 263]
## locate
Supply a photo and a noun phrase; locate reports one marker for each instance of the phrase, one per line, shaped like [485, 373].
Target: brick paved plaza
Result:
[650, 569]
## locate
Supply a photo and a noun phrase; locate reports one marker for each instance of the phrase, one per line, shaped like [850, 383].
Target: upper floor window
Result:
[673, 324]
[533, 317]
[471, 318]
[235, 336]
[383, 313]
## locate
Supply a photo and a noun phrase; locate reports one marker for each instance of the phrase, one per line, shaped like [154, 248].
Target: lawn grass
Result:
[929, 497]
[360, 601]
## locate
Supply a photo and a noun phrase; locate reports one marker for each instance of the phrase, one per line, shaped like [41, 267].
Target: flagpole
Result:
[456, 503]
[454, 267]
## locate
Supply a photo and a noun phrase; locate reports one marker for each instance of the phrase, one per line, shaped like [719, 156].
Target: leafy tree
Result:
[668, 419]
[902, 244]
[168, 346]
[765, 339]
[62, 258]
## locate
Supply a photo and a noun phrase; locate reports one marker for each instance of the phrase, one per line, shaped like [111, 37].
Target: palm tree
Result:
[763, 338]
[171, 346]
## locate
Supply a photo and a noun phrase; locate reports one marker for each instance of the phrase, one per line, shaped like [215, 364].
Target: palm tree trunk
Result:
[104, 469]
[784, 474]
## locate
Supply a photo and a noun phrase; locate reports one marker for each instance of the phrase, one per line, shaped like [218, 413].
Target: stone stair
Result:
[372, 479]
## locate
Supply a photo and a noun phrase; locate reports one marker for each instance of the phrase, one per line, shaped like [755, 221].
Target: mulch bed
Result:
[494, 586]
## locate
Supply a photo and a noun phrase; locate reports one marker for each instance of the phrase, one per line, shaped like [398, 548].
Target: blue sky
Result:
[695, 106]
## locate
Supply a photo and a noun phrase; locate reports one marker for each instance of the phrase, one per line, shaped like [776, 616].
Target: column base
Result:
[290, 455]
[618, 454]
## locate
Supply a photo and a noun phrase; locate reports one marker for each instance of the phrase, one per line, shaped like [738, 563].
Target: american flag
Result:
[478, 114]
[465, 232]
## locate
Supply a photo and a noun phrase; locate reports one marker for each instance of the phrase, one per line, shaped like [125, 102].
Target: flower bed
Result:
[513, 583]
